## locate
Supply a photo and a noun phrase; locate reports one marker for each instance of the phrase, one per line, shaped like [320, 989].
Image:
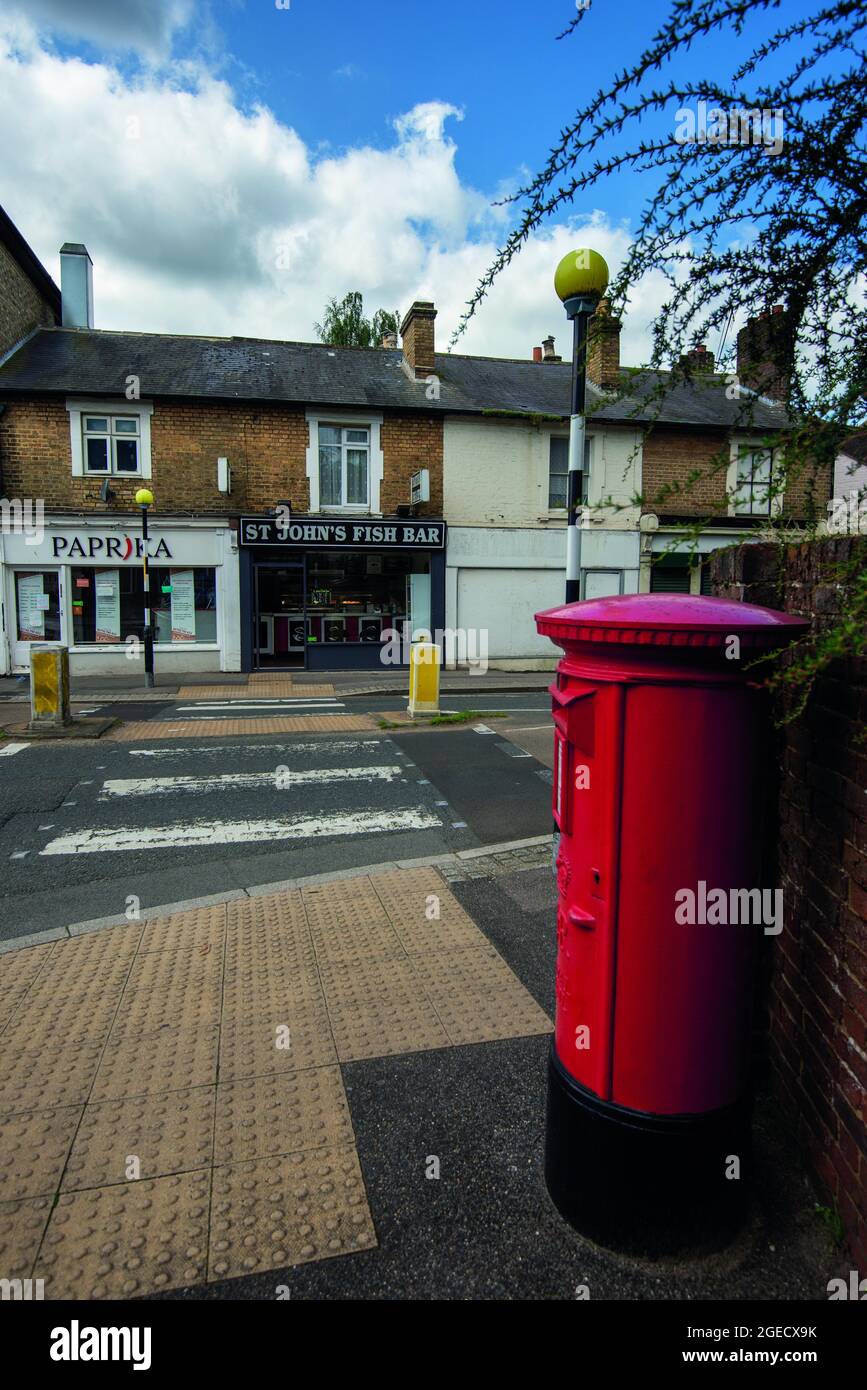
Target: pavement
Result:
[275, 1010]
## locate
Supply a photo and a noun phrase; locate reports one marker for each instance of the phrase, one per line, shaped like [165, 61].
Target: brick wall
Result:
[671, 455]
[21, 305]
[265, 444]
[816, 1004]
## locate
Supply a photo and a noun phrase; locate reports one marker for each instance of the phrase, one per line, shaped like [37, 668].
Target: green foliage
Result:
[344, 324]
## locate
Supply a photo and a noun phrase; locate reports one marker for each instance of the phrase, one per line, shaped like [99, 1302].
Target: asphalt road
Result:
[85, 827]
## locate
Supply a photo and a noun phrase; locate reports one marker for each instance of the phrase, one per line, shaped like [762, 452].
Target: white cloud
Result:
[146, 26]
[203, 217]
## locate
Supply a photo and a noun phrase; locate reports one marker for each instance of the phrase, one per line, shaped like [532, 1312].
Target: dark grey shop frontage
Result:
[337, 594]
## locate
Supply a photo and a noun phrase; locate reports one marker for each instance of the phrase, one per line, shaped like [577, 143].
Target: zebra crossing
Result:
[215, 710]
[203, 798]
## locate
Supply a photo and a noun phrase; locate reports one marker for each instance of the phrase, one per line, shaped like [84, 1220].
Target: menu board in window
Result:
[183, 606]
[107, 605]
[31, 608]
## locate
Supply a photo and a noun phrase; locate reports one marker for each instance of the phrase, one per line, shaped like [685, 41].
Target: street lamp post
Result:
[580, 281]
[144, 499]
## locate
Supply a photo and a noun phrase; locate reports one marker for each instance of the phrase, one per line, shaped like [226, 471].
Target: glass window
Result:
[558, 471]
[354, 596]
[754, 484]
[111, 443]
[344, 457]
[108, 604]
[37, 598]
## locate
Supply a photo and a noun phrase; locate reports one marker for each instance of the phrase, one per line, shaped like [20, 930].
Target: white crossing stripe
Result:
[7, 749]
[208, 833]
[264, 705]
[210, 750]
[156, 786]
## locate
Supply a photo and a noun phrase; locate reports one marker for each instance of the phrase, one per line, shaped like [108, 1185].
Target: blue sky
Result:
[353, 145]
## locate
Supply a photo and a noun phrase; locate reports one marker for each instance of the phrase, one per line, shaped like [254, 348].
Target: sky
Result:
[232, 164]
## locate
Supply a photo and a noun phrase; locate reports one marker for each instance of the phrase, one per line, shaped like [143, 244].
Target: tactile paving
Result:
[425, 915]
[38, 1025]
[258, 1046]
[18, 969]
[281, 1114]
[21, 1227]
[150, 730]
[382, 1027]
[33, 1149]
[269, 989]
[168, 1133]
[487, 1016]
[364, 941]
[136, 1238]
[194, 930]
[170, 1059]
[155, 1000]
[277, 1212]
[343, 905]
[38, 1080]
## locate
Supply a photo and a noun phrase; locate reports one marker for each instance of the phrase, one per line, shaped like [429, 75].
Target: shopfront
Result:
[330, 595]
[81, 583]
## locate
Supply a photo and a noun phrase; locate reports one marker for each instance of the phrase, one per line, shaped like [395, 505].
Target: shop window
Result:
[108, 605]
[357, 597]
[558, 472]
[37, 599]
[344, 466]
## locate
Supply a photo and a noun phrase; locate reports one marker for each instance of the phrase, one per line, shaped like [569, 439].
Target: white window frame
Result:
[739, 450]
[79, 409]
[586, 470]
[339, 419]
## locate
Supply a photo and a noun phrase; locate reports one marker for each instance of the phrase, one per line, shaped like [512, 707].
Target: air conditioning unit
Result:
[224, 476]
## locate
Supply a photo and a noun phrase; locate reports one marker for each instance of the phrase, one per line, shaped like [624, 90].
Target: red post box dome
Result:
[668, 620]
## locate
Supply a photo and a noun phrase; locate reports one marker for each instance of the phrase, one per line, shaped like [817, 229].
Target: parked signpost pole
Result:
[144, 499]
[580, 280]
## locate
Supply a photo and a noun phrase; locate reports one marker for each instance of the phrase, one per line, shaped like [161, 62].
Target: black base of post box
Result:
[645, 1184]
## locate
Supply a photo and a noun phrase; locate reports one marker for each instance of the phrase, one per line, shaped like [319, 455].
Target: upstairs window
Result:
[344, 466]
[753, 484]
[111, 444]
[558, 470]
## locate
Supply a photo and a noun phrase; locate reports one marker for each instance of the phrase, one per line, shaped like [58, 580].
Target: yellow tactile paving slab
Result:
[170, 1059]
[272, 1213]
[146, 1137]
[204, 1048]
[281, 1114]
[33, 1150]
[21, 1229]
[128, 1240]
[136, 732]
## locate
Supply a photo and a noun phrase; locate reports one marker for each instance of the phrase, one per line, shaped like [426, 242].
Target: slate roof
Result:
[91, 362]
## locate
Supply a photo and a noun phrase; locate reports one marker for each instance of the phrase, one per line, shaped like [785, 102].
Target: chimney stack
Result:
[603, 347]
[548, 353]
[417, 333]
[389, 340]
[765, 348]
[76, 285]
[537, 354]
[698, 360]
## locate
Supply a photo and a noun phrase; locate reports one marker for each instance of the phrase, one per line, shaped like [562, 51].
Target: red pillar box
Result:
[659, 733]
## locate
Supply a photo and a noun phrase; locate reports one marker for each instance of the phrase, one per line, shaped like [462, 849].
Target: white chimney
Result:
[76, 285]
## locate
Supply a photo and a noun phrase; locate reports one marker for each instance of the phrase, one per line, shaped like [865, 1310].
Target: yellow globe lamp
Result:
[144, 497]
[581, 274]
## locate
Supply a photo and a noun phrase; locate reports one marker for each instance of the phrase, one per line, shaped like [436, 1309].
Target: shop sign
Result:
[107, 548]
[342, 535]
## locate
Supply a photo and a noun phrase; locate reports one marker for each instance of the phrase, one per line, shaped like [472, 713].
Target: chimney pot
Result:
[76, 286]
[537, 354]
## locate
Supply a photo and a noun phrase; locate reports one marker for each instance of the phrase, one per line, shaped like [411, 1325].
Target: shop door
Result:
[36, 601]
[279, 616]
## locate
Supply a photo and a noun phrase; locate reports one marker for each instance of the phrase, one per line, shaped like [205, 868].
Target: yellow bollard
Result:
[424, 678]
[49, 686]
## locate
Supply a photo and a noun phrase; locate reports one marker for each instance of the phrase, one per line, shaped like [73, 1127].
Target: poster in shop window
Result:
[108, 606]
[31, 618]
[183, 606]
